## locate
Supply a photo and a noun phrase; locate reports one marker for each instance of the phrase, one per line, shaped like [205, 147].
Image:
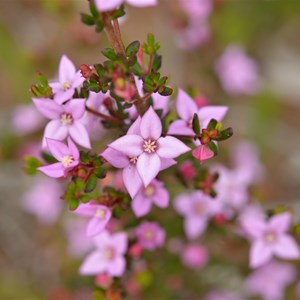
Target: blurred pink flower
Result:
[67, 156]
[108, 256]
[237, 72]
[150, 235]
[99, 214]
[269, 238]
[271, 280]
[194, 256]
[155, 193]
[187, 170]
[222, 295]
[148, 147]
[104, 5]
[68, 81]
[43, 200]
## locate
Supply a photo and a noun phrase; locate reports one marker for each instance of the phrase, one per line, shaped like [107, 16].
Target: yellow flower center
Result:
[150, 146]
[67, 160]
[133, 159]
[66, 85]
[100, 213]
[66, 119]
[149, 190]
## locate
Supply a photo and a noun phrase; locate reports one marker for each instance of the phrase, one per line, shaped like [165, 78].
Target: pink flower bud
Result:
[203, 153]
[194, 256]
[103, 280]
[135, 250]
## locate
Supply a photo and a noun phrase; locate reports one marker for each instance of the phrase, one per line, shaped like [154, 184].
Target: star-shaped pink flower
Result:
[67, 156]
[68, 81]
[65, 120]
[149, 147]
[100, 216]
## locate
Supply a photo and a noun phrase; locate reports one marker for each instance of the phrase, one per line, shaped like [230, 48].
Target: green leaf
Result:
[212, 124]
[94, 10]
[224, 134]
[213, 147]
[85, 199]
[48, 158]
[165, 91]
[133, 48]
[196, 124]
[136, 69]
[31, 165]
[100, 172]
[73, 203]
[156, 63]
[100, 70]
[84, 157]
[91, 184]
[87, 19]
[109, 53]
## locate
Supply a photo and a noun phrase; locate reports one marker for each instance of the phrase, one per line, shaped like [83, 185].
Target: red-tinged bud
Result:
[135, 250]
[103, 280]
[187, 171]
[219, 219]
[203, 153]
[81, 173]
[86, 71]
[201, 101]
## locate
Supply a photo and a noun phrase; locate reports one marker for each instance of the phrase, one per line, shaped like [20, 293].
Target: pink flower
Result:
[43, 200]
[237, 72]
[104, 5]
[65, 120]
[270, 280]
[222, 295]
[153, 193]
[68, 157]
[187, 170]
[68, 81]
[108, 257]
[131, 178]
[203, 153]
[148, 147]
[196, 208]
[100, 216]
[194, 256]
[150, 235]
[186, 108]
[270, 238]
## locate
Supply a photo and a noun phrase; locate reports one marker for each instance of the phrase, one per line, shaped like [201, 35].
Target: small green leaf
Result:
[84, 198]
[94, 10]
[156, 63]
[165, 91]
[109, 53]
[48, 158]
[91, 184]
[133, 48]
[213, 147]
[87, 19]
[196, 124]
[84, 157]
[100, 172]
[136, 69]
[212, 124]
[73, 203]
[224, 134]
[31, 165]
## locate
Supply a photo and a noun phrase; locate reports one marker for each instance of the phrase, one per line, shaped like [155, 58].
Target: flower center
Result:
[133, 159]
[149, 235]
[150, 146]
[67, 160]
[66, 85]
[270, 237]
[109, 253]
[199, 208]
[149, 190]
[100, 213]
[66, 119]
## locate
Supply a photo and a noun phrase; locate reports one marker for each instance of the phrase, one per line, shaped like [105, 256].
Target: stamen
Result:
[66, 85]
[150, 146]
[149, 190]
[67, 160]
[133, 159]
[66, 119]
[100, 213]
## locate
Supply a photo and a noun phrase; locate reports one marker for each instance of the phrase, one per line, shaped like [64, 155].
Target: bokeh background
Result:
[33, 36]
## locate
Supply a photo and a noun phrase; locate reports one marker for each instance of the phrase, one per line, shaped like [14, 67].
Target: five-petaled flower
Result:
[108, 257]
[100, 216]
[68, 81]
[149, 147]
[65, 120]
[67, 156]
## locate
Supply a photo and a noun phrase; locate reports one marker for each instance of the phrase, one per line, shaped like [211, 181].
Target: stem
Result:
[104, 117]
[150, 64]
[118, 34]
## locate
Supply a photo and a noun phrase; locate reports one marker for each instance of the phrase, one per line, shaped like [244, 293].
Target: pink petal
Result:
[120, 241]
[161, 102]
[170, 147]
[73, 149]
[62, 96]
[194, 226]
[287, 248]
[182, 204]
[55, 130]
[55, 170]
[48, 108]
[80, 135]
[57, 148]
[151, 127]
[141, 205]
[161, 198]
[207, 113]
[117, 267]
[132, 180]
[115, 158]
[102, 240]
[93, 264]
[280, 223]
[142, 3]
[104, 5]
[77, 80]
[255, 228]
[260, 253]
[203, 153]
[180, 127]
[130, 145]
[75, 107]
[56, 86]
[96, 226]
[87, 209]
[166, 163]
[185, 106]
[66, 70]
[135, 127]
[148, 167]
